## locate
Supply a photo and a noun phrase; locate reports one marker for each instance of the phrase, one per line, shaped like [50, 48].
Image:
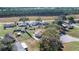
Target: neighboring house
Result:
[23, 24]
[8, 38]
[38, 33]
[32, 23]
[68, 25]
[8, 26]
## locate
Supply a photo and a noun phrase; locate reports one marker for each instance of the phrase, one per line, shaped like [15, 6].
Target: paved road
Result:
[64, 38]
[67, 38]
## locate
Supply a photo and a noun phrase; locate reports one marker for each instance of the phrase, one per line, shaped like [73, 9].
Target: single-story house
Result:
[8, 38]
[23, 24]
[9, 26]
[32, 23]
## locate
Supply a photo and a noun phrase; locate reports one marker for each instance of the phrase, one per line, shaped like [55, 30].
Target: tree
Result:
[39, 19]
[71, 19]
[51, 40]
[24, 19]
[7, 42]
[60, 20]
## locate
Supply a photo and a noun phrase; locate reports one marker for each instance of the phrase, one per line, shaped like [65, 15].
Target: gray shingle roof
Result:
[8, 38]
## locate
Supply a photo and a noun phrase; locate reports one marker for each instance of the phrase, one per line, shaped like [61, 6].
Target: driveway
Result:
[67, 38]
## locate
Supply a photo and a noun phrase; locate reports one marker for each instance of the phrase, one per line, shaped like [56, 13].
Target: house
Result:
[36, 23]
[23, 24]
[44, 23]
[32, 23]
[8, 38]
[38, 33]
[9, 26]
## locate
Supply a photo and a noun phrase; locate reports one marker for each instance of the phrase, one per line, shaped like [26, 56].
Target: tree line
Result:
[37, 11]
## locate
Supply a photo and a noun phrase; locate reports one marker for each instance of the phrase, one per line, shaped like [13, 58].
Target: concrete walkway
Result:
[67, 38]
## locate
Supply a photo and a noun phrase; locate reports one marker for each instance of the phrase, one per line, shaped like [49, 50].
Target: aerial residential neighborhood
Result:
[39, 29]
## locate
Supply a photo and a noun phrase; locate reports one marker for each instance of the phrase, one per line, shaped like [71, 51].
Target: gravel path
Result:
[67, 38]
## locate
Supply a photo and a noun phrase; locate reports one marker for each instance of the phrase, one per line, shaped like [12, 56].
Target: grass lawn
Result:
[74, 32]
[3, 32]
[72, 46]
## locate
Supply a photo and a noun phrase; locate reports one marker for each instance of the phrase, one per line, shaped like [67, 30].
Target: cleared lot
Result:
[13, 19]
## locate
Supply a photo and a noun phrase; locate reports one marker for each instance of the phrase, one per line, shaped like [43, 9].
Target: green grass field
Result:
[72, 46]
[3, 32]
[74, 32]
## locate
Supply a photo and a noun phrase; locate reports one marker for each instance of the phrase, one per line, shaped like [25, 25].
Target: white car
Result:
[24, 46]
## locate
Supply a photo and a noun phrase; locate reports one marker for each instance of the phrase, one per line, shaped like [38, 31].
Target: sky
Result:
[39, 3]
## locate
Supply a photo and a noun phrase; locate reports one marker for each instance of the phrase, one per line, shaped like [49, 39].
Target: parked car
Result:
[71, 26]
[24, 46]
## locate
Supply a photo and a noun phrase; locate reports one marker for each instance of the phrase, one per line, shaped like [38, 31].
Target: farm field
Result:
[13, 19]
[31, 18]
